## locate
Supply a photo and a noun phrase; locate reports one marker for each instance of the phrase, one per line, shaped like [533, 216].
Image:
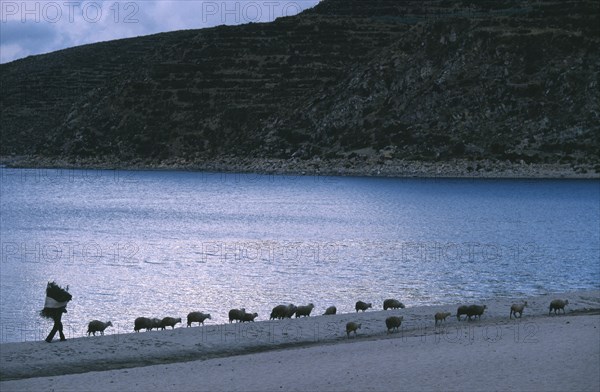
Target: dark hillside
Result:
[405, 80]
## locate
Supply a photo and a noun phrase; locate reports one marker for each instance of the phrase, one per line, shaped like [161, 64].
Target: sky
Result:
[35, 27]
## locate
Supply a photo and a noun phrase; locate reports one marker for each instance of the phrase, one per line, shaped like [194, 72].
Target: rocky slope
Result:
[350, 80]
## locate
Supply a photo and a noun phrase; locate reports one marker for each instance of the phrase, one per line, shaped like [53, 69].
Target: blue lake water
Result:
[155, 244]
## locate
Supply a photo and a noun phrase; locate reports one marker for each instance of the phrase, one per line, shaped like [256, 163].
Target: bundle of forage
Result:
[56, 300]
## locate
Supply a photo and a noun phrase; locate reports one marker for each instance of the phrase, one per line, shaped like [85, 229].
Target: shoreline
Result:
[564, 356]
[361, 166]
[182, 345]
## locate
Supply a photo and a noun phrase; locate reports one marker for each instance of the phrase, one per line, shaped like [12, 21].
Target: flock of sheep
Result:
[280, 312]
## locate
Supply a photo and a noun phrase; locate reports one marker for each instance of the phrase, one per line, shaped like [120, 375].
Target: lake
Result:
[164, 243]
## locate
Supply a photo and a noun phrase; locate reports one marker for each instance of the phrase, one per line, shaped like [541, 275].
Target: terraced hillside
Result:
[418, 80]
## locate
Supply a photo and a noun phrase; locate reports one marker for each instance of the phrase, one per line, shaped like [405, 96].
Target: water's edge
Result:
[122, 351]
[360, 166]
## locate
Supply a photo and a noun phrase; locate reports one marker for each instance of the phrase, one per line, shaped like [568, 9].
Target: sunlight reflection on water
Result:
[166, 243]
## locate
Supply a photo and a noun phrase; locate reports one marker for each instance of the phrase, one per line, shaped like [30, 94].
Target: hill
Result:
[349, 81]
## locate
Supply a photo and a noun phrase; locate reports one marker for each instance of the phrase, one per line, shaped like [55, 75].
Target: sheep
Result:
[169, 322]
[248, 317]
[475, 310]
[304, 310]
[517, 308]
[352, 327]
[360, 305]
[392, 304]
[461, 310]
[154, 323]
[236, 314]
[470, 311]
[557, 304]
[197, 317]
[441, 316]
[283, 311]
[97, 326]
[393, 323]
[279, 312]
[330, 310]
[142, 323]
[291, 310]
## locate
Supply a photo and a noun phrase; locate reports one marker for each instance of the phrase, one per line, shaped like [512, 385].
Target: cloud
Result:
[14, 32]
[20, 39]
[34, 27]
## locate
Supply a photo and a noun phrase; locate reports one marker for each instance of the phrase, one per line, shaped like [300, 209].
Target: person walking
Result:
[54, 307]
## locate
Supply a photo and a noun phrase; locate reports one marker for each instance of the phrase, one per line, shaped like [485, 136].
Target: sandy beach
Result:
[538, 352]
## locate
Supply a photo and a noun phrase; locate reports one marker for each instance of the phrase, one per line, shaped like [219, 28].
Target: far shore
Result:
[357, 166]
[536, 352]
